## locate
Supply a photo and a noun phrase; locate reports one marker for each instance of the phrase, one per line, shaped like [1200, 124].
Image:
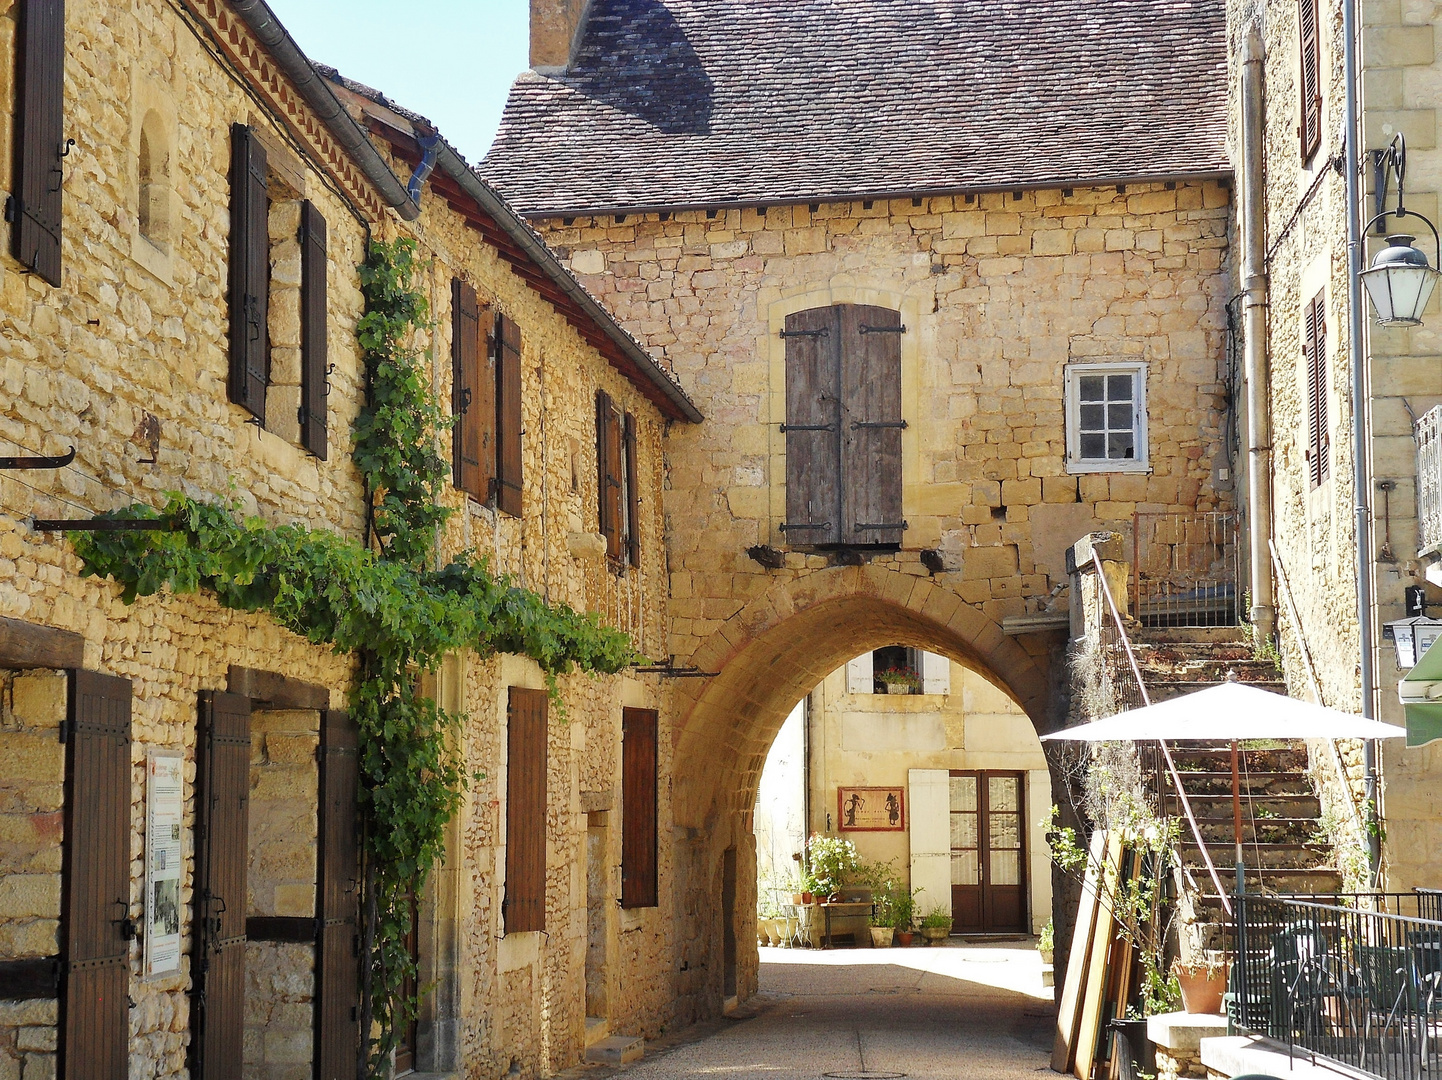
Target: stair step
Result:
[1210, 635]
[597, 1028]
[617, 1050]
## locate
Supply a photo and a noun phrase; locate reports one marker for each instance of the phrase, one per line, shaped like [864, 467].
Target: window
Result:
[638, 808]
[843, 427]
[931, 673]
[1314, 353]
[1106, 417]
[1309, 79]
[153, 174]
[524, 906]
[617, 496]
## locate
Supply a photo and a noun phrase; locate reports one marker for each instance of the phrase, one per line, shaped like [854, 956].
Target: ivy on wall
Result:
[385, 605]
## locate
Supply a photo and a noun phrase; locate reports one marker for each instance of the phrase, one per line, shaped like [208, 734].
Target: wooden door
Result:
[988, 853]
[338, 895]
[222, 800]
[409, 1029]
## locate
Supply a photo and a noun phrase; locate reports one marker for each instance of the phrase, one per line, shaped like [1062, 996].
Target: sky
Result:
[452, 61]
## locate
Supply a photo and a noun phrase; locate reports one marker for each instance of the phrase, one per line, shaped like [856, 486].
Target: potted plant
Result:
[1046, 942]
[903, 912]
[936, 926]
[1203, 981]
[899, 680]
[830, 861]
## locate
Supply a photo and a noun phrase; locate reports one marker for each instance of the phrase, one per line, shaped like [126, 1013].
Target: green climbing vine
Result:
[387, 606]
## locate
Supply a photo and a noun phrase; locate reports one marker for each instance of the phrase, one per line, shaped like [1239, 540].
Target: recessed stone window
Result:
[1106, 417]
[153, 176]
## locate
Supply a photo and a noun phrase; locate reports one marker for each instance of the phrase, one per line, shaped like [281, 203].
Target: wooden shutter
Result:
[337, 1029]
[1309, 78]
[249, 270]
[95, 922]
[473, 399]
[633, 495]
[222, 799]
[638, 808]
[508, 416]
[1314, 349]
[812, 428]
[39, 136]
[609, 465]
[314, 382]
[524, 907]
[871, 425]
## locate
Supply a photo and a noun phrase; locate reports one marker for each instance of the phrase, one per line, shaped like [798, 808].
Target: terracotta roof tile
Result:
[703, 102]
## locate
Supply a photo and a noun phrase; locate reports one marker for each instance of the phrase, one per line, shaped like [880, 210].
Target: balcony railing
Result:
[1354, 978]
[1429, 481]
[1186, 569]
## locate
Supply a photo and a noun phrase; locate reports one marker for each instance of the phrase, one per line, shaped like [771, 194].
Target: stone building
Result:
[910, 293]
[189, 202]
[1291, 58]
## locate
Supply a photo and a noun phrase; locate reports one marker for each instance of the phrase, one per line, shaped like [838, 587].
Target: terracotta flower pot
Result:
[1202, 989]
[904, 938]
[881, 937]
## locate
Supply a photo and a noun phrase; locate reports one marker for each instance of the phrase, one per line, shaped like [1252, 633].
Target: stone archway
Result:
[767, 657]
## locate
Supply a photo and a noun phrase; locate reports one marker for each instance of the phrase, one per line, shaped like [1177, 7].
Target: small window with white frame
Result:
[1106, 417]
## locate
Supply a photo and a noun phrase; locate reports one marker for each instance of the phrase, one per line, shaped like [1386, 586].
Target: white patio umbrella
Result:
[1229, 712]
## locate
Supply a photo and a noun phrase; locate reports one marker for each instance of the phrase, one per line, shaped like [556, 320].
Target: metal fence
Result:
[1429, 480]
[1353, 978]
[1186, 569]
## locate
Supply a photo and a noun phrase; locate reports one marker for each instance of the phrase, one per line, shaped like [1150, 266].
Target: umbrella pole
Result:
[1237, 819]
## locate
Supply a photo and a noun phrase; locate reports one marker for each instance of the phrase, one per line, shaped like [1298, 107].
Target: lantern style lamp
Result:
[1412, 637]
[1400, 280]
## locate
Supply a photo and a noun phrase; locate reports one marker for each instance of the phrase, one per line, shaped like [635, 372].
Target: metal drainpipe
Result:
[1254, 332]
[1361, 464]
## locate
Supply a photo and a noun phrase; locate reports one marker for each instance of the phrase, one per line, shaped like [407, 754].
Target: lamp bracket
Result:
[1389, 162]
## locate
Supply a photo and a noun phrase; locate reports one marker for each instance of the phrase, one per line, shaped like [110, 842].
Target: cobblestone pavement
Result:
[950, 1012]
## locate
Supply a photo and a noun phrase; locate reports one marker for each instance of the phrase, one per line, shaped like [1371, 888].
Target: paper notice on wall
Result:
[164, 814]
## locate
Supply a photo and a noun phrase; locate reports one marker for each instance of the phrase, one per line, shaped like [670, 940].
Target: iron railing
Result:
[1186, 568]
[1356, 978]
[1429, 481]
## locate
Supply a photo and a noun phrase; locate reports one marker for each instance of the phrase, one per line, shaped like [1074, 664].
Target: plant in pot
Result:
[1046, 942]
[903, 913]
[899, 680]
[831, 862]
[1202, 981]
[936, 926]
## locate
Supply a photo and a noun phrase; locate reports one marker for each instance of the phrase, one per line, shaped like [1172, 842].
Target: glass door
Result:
[988, 856]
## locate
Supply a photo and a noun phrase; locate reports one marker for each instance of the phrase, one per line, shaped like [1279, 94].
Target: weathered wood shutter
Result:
[337, 1028]
[1314, 349]
[249, 271]
[524, 907]
[314, 346]
[1309, 78]
[609, 465]
[472, 398]
[638, 808]
[222, 800]
[508, 416]
[39, 136]
[95, 923]
[813, 428]
[871, 425]
[633, 496]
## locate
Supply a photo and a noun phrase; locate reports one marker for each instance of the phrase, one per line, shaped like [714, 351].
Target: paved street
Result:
[973, 1011]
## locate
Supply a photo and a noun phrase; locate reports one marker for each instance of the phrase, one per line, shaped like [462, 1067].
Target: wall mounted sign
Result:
[870, 809]
[164, 814]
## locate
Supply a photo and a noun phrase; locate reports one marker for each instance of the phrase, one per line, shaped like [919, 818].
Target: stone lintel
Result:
[277, 691]
[30, 645]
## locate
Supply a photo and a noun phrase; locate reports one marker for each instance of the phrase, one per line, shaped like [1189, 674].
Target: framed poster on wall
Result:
[164, 815]
[870, 809]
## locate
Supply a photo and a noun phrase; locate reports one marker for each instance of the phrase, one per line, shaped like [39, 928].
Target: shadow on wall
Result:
[636, 58]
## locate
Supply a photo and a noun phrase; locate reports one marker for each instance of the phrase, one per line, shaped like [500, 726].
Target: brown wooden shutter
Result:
[524, 907]
[871, 425]
[633, 496]
[508, 416]
[812, 428]
[337, 1029]
[638, 808]
[95, 922]
[472, 395]
[1314, 349]
[1309, 79]
[610, 461]
[36, 207]
[249, 271]
[314, 346]
[222, 800]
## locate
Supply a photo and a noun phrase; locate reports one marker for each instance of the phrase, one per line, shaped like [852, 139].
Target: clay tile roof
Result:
[675, 103]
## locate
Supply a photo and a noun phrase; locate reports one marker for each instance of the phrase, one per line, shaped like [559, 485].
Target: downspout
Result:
[1361, 465]
[1254, 336]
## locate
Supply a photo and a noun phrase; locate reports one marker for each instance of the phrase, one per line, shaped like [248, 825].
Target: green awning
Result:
[1424, 722]
[1429, 668]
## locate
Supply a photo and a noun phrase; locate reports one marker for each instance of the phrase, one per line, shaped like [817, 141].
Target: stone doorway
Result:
[597, 916]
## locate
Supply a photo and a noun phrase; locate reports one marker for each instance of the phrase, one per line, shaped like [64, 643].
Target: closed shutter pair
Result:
[619, 499]
[250, 294]
[843, 426]
[486, 401]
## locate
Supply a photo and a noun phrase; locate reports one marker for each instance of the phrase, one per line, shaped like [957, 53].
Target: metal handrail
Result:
[1166, 753]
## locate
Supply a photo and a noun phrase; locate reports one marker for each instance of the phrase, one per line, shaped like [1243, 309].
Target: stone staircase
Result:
[1283, 850]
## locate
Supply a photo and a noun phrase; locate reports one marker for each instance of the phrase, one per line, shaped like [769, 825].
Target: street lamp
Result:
[1400, 280]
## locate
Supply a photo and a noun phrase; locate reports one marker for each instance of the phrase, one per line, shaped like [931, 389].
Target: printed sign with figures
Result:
[164, 814]
[870, 809]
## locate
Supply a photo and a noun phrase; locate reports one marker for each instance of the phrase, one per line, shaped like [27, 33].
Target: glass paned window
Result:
[963, 831]
[963, 794]
[964, 867]
[1106, 416]
[1005, 868]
